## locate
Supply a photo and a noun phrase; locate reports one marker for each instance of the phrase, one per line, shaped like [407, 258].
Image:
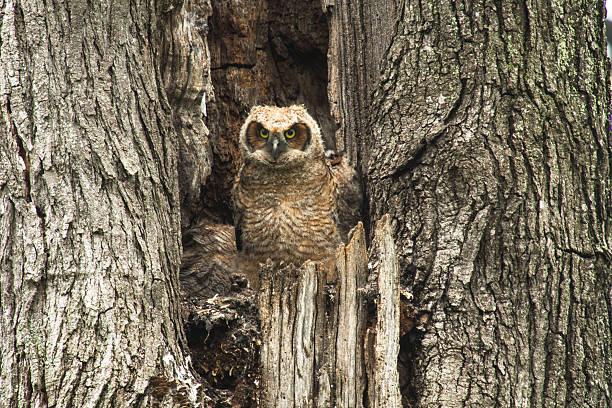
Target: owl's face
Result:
[280, 137]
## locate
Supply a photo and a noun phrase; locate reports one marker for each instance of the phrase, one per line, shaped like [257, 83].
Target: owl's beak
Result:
[275, 151]
[276, 146]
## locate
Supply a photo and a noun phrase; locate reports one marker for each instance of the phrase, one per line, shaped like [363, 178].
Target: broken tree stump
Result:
[321, 347]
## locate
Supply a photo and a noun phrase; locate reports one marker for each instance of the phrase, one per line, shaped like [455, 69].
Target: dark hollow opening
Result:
[262, 52]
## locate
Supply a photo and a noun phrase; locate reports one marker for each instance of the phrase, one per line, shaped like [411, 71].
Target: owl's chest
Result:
[288, 195]
[286, 214]
[286, 220]
[290, 229]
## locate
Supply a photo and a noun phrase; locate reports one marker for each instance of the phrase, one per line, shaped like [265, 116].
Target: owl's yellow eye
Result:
[263, 133]
[290, 134]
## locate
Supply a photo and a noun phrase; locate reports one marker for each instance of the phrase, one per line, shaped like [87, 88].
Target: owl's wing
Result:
[349, 192]
[206, 265]
[237, 212]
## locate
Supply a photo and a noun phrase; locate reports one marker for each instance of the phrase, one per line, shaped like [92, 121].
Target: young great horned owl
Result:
[285, 199]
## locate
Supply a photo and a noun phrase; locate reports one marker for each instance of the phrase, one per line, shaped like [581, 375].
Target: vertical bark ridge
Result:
[185, 71]
[360, 33]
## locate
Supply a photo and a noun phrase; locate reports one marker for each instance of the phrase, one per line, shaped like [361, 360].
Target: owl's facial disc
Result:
[298, 136]
[275, 144]
[256, 136]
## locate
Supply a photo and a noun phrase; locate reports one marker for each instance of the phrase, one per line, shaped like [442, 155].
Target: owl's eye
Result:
[263, 133]
[290, 134]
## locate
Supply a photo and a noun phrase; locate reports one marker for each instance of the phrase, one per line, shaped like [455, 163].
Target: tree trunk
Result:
[89, 209]
[315, 324]
[487, 142]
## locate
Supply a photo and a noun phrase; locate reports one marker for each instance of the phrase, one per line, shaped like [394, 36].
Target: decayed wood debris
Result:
[313, 336]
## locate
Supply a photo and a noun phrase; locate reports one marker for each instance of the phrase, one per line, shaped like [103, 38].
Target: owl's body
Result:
[288, 218]
[285, 200]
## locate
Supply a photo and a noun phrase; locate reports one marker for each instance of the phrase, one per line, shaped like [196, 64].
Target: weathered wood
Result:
[352, 270]
[384, 390]
[290, 302]
[185, 71]
[313, 323]
[359, 34]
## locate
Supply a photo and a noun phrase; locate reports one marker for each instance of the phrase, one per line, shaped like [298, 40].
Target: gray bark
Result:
[383, 374]
[480, 128]
[487, 141]
[89, 209]
[185, 71]
[359, 34]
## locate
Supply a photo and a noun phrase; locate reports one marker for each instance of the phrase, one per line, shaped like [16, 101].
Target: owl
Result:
[285, 197]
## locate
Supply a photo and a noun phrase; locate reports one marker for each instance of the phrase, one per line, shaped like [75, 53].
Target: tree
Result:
[486, 138]
[481, 129]
[89, 202]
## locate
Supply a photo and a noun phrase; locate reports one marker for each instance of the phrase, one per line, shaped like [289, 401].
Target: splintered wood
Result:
[314, 323]
[384, 388]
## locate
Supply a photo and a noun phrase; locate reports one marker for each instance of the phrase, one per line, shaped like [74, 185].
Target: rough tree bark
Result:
[487, 141]
[89, 206]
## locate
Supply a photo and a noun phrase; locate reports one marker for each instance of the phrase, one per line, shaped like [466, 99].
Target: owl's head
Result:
[280, 137]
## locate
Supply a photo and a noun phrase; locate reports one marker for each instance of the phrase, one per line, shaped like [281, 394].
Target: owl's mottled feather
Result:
[208, 260]
[286, 217]
[285, 203]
